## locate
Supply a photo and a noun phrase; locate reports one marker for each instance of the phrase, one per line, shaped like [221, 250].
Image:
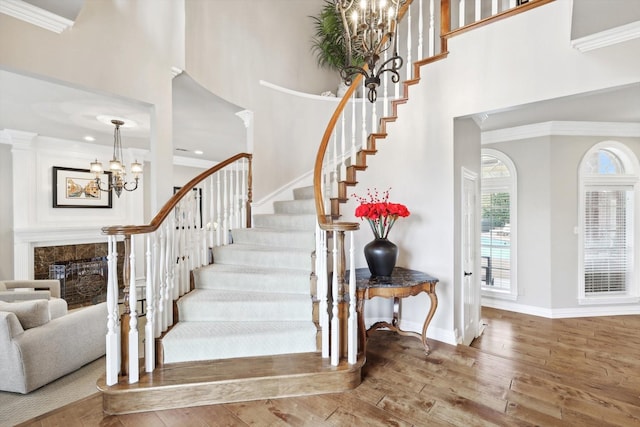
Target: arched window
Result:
[498, 238]
[608, 194]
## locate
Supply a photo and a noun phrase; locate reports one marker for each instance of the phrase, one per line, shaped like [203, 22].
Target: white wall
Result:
[548, 211]
[485, 71]
[121, 48]
[6, 213]
[593, 16]
[245, 41]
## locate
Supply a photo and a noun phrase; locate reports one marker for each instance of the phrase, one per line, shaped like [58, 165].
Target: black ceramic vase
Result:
[381, 255]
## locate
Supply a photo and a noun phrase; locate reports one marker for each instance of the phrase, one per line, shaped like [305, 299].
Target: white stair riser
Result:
[303, 193]
[277, 282]
[285, 222]
[304, 206]
[271, 237]
[190, 341]
[236, 255]
[248, 311]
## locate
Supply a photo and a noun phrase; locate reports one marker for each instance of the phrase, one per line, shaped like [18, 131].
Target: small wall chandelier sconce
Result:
[370, 28]
[118, 180]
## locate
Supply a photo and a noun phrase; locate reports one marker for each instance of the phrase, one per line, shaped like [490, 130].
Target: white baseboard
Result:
[560, 313]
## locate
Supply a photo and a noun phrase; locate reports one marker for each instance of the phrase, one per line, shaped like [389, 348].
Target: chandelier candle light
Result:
[381, 254]
[118, 180]
[370, 28]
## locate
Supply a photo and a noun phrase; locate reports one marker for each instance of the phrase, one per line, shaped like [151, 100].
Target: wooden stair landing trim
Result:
[188, 384]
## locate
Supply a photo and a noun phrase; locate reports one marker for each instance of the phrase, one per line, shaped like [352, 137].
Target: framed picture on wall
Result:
[76, 188]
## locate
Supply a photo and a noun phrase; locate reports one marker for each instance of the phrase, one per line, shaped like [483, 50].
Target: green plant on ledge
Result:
[328, 42]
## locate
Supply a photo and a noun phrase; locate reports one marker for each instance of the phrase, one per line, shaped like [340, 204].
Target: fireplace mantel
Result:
[27, 239]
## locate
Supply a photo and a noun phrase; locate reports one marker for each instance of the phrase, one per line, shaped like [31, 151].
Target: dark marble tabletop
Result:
[401, 277]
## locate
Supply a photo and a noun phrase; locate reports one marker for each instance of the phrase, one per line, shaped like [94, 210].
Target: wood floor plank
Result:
[523, 371]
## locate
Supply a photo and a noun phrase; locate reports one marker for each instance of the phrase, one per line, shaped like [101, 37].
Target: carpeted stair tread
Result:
[188, 341]
[252, 278]
[203, 305]
[286, 221]
[262, 256]
[301, 239]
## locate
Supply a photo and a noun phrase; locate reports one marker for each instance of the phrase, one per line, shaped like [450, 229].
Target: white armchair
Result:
[39, 340]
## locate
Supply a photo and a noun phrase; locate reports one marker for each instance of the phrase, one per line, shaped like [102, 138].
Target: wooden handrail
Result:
[323, 220]
[448, 33]
[173, 201]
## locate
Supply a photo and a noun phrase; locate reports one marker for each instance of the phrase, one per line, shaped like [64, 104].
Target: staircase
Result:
[255, 299]
[249, 328]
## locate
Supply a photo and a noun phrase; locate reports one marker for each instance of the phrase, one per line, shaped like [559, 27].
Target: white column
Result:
[247, 119]
[24, 203]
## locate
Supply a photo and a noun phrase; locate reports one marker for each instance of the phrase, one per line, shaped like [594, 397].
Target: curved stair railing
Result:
[176, 241]
[352, 134]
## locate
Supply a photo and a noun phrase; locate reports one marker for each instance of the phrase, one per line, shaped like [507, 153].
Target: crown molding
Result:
[194, 163]
[34, 15]
[613, 129]
[607, 38]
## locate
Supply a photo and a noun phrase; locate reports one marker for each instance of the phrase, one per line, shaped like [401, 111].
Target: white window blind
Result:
[608, 240]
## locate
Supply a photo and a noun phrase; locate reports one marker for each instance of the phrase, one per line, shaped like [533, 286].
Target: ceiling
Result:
[201, 120]
[620, 104]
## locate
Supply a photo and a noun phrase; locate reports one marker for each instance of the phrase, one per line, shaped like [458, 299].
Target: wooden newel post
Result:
[125, 317]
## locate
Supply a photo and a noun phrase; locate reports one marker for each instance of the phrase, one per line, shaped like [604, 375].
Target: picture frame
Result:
[199, 193]
[76, 188]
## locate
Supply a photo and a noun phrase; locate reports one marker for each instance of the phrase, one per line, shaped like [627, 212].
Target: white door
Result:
[469, 276]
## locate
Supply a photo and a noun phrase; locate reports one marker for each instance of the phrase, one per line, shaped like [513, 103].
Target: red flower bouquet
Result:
[379, 212]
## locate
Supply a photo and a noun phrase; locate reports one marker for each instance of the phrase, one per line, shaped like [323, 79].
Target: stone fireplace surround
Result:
[36, 249]
[66, 255]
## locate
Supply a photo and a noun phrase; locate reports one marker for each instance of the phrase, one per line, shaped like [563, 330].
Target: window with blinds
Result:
[608, 179]
[607, 241]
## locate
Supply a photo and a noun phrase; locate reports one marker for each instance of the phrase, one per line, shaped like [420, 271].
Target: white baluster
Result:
[158, 278]
[134, 374]
[219, 209]
[225, 198]
[322, 289]
[150, 292]
[461, 13]
[364, 119]
[113, 315]
[171, 270]
[211, 217]
[245, 194]
[420, 53]
[335, 321]
[478, 11]
[334, 167]
[232, 201]
[352, 337]
[432, 28]
[409, 45]
[494, 7]
[343, 148]
[374, 117]
[385, 90]
[353, 129]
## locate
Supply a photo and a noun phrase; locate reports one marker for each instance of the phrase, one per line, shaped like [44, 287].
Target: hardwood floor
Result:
[522, 371]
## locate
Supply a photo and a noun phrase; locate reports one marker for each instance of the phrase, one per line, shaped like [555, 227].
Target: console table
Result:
[402, 283]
